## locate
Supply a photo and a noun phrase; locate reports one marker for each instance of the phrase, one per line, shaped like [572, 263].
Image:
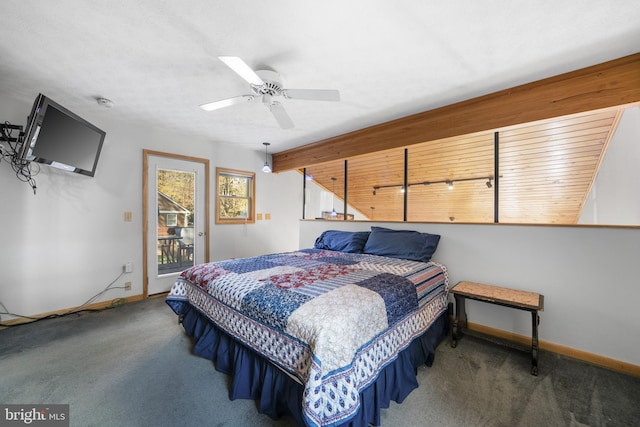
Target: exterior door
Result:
[176, 217]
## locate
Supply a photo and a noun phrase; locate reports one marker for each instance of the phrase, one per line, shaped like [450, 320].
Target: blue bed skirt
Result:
[277, 394]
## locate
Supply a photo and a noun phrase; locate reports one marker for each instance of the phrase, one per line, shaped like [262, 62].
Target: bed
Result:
[329, 334]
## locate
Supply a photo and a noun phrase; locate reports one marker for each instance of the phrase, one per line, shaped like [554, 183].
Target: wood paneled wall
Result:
[546, 170]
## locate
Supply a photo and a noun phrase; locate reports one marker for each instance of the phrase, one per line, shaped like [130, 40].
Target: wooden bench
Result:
[522, 300]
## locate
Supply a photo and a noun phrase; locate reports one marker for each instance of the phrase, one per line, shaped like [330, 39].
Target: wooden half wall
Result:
[605, 85]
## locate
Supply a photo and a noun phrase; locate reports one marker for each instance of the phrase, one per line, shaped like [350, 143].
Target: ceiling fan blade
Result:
[281, 115]
[227, 102]
[242, 69]
[312, 94]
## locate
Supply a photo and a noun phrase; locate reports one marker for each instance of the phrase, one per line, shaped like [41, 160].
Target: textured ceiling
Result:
[157, 60]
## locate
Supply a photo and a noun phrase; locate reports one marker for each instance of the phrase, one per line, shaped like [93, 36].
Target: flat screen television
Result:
[57, 137]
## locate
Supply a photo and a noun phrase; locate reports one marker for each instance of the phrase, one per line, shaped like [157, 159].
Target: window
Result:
[235, 197]
[172, 220]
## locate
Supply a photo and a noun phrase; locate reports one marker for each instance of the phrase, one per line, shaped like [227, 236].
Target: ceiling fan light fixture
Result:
[266, 168]
[265, 85]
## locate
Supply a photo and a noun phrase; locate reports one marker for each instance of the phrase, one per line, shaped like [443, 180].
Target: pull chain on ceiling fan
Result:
[267, 84]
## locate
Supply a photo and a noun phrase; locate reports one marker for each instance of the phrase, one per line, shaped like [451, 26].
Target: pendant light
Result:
[333, 197]
[266, 168]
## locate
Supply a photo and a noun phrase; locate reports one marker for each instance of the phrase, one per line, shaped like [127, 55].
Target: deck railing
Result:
[174, 254]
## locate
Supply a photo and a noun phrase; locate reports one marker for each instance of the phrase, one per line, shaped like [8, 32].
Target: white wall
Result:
[615, 194]
[69, 241]
[588, 276]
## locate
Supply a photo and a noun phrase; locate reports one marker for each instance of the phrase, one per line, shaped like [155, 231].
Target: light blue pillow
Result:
[343, 241]
[403, 244]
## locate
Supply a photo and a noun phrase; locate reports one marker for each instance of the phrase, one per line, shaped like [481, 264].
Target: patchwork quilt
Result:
[331, 320]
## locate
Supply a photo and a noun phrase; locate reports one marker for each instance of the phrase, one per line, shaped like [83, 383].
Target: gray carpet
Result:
[132, 366]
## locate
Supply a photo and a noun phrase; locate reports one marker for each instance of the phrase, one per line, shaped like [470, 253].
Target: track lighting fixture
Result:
[266, 168]
[448, 182]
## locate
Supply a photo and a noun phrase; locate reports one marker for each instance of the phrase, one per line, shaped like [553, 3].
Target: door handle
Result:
[201, 233]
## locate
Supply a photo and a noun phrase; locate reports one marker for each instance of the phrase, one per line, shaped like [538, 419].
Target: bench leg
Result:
[460, 321]
[535, 321]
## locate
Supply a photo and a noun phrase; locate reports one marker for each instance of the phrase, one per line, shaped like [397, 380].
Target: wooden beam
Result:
[600, 86]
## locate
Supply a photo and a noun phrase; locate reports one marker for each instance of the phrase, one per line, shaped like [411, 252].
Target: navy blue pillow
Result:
[343, 241]
[404, 244]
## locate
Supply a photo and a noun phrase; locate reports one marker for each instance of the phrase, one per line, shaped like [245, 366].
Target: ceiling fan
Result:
[266, 85]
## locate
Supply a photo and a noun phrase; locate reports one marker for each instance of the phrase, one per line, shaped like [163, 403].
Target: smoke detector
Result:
[104, 102]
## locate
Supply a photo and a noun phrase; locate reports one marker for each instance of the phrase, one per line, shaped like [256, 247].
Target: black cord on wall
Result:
[24, 169]
[115, 303]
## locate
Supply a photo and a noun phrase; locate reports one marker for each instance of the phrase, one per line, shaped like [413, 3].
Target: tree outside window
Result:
[235, 198]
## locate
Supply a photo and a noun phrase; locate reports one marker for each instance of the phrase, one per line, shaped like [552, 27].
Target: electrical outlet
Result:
[127, 286]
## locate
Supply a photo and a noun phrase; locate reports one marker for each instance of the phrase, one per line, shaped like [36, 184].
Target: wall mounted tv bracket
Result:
[6, 130]
[10, 151]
